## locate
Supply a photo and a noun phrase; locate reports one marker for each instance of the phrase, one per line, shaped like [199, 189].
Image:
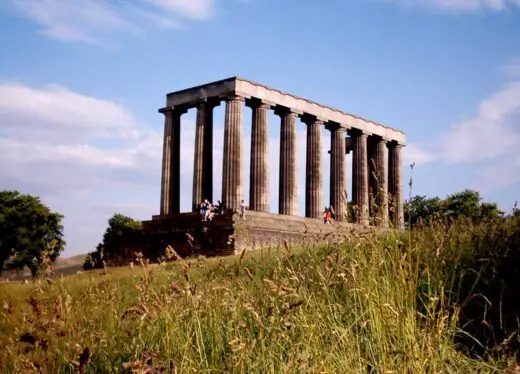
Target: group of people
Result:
[208, 210]
[329, 216]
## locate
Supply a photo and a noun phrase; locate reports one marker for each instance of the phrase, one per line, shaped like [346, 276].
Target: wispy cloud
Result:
[77, 152]
[194, 9]
[461, 6]
[99, 21]
[490, 138]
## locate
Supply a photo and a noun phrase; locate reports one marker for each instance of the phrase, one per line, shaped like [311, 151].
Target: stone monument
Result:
[376, 170]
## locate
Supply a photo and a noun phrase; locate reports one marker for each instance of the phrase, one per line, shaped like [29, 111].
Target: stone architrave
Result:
[314, 178]
[337, 170]
[232, 164]
[395, 188]
[170, 178]
[259, 172]
[287, 197]
[360, 178]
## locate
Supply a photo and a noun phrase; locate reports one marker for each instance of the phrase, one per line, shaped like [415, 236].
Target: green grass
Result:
[371, 304]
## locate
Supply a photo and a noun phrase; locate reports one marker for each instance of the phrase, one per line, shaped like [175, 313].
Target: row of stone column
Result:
[371, 187]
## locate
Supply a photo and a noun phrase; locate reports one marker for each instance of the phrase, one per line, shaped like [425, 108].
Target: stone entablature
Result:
[222, 89]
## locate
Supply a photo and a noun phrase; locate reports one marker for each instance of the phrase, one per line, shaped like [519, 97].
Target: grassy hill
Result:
[369, 304]
[62, 266]
[64, 262]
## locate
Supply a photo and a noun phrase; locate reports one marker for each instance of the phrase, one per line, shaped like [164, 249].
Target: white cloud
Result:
[78, 153]
[459, 6]
[81, 20]
[197, 9]
[415, 153]
[59, 112]
[489, 141]
[96, 21]
[493, 132]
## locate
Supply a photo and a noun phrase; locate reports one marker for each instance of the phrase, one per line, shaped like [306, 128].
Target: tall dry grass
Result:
[372, 304]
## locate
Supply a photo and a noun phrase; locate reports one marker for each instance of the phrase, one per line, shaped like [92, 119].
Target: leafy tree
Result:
[30, 233]
[490, 210]
[119, 233]
[467, 203]
[118, 225]
[421, 208]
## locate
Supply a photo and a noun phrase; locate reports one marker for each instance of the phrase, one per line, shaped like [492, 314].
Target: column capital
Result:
[234, 97]
[286, 112]
[254, 103]
[166, 110]
[171, 109]
[208, 102]
[335, 127]
[358, 133]
[394, 144]
[380, 139]
[312, 120]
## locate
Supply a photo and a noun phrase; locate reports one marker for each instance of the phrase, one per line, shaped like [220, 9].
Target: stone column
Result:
[360, 178]
[232, 163]
[207, 172]
[313, 180]
[203, 157]
[337, 171]
[395, 187]
[198, 160]
[170, 178]
[287, 196]
[259, 175]
[378, 181]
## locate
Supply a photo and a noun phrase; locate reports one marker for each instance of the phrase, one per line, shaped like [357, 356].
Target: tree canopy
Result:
[467, 203]
[121, 230]
[30, 233]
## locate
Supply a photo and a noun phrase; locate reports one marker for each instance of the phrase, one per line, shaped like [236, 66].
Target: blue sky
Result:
[81, 81]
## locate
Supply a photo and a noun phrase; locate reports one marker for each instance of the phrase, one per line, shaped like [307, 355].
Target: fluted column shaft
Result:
[314, 179]
[259, 175]
[360, 178]
[232, 164]
[207, 172]
[378, 181]
[395, 187]
[170, 176]
[203, 156]
[287, 196]
[337, 171]
[198, 159]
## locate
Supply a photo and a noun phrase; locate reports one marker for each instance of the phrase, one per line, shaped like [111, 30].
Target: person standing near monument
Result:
[243, 210]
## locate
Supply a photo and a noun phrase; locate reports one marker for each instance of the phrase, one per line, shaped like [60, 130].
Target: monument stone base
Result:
[228, 234]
